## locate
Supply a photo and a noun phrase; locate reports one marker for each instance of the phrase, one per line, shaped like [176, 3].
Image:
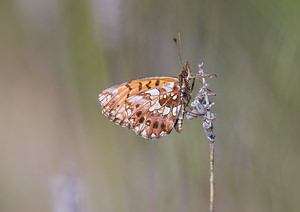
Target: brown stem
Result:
[212, 180]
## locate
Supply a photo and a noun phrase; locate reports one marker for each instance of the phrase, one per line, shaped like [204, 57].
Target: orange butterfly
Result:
[150, 106]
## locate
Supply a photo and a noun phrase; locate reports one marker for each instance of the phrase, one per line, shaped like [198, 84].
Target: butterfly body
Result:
[149, 106]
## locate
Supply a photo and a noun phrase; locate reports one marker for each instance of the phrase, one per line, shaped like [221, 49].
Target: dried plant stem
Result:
[201, 107]
[212, 178]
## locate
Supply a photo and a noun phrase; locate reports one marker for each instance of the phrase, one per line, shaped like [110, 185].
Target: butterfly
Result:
[151, 107]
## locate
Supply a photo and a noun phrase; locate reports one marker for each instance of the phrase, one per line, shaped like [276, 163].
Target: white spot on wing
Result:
[106, 99]
[166, 110]
[153, 92]
[119, 116]
[134, 98]
[174, 97]
[109, 90]
[101, 97]
[174, 111]
[169, 86]
[144, 133]
[162, 133]
[165, 96]
[129, 111]
[155, 107]
[160, 110]
[137, 128]
[178, 108]
[115, 91]
[131, 121]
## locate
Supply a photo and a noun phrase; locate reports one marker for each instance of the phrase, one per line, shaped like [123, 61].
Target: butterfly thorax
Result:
[186, 83]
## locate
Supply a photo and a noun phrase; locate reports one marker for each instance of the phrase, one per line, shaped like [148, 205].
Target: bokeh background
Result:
[59, 153]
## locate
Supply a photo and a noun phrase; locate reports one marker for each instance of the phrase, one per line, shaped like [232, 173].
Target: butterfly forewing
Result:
[149, 106]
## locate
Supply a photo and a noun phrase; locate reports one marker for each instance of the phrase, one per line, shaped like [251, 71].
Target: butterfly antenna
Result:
[178, 45]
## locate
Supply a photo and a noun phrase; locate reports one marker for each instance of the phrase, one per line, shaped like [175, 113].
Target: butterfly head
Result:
[185, 72]
[187, 82]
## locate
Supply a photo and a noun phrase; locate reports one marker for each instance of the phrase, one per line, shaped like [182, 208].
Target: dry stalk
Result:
[201, 107]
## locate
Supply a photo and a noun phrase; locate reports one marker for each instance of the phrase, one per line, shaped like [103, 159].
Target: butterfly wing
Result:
[154, 112]
[142, 105]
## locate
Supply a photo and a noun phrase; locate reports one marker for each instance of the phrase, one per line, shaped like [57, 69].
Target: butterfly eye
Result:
[184, 73]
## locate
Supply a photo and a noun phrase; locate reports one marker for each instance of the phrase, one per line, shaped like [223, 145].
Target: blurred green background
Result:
[59, 153]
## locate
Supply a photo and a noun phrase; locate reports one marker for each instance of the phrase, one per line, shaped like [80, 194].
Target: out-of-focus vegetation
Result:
[57, 150]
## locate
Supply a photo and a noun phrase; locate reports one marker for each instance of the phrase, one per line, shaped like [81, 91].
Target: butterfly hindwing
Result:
[153, 113]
